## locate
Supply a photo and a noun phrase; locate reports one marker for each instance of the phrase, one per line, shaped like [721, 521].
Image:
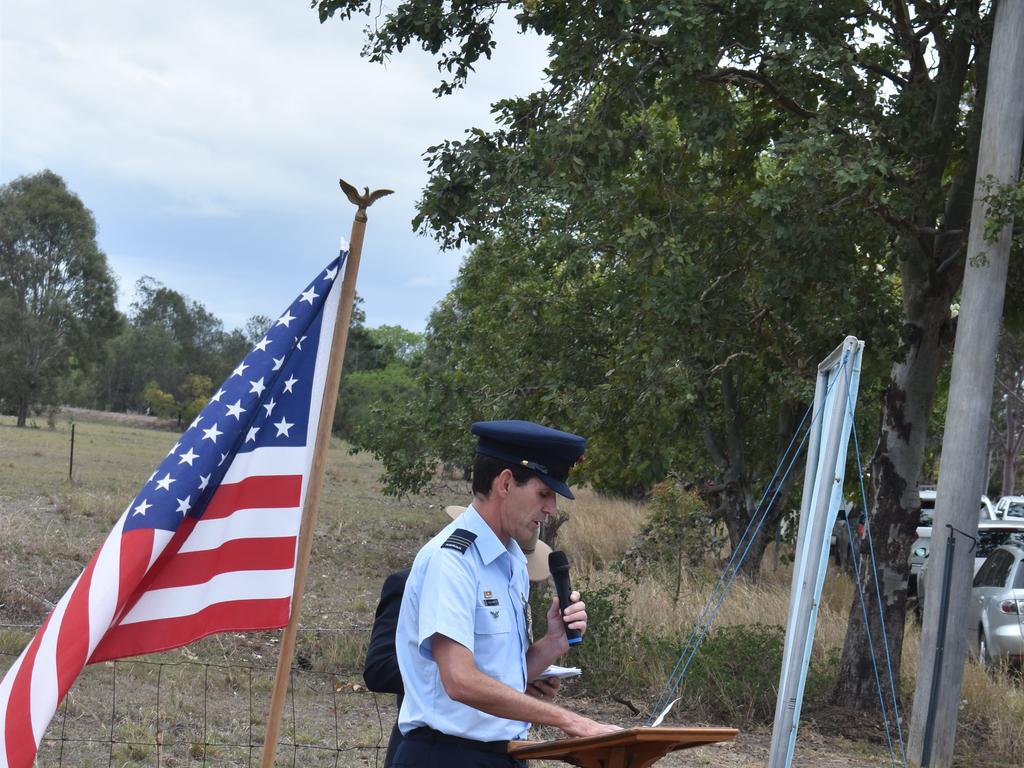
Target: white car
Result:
[921, 547]
[997, 602]
[1010, 507]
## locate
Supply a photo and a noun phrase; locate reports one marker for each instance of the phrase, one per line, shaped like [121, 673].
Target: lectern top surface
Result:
[672, 739]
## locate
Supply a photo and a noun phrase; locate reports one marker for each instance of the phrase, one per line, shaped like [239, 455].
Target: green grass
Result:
[361, 536]
[109, 458]
[49, 527]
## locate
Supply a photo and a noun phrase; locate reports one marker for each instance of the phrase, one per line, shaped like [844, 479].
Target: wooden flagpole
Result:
[316, 476]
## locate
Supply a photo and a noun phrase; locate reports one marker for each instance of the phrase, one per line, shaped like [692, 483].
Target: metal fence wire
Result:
[175, 713]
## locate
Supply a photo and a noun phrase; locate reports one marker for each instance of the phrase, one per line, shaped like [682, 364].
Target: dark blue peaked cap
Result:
[548, 453]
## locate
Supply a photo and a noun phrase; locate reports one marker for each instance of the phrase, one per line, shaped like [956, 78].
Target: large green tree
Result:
[57, 294]
[873, 106]
[167, 338]
[657, 313]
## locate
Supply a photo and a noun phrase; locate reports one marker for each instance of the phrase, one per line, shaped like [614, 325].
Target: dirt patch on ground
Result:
[749, 748]
[127, 419]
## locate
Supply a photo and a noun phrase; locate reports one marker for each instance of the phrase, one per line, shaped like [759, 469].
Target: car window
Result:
[1018, 580]
[990, 539]
[1016, 509]
[1002, 561]
[927, 516]
[982, 574]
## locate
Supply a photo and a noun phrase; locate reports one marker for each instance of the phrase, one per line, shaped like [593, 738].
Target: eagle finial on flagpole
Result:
[364, 200]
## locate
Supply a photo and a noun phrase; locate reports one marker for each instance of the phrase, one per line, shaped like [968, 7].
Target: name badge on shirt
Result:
[529, 618]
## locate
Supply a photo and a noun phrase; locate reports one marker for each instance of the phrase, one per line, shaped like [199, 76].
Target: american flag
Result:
[209, 543]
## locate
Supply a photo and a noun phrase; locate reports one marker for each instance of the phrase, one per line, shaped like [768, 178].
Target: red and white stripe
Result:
[146, 591]
[149, 590]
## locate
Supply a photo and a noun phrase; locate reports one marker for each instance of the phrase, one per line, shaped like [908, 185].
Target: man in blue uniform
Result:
[462, 641]
[380, 669]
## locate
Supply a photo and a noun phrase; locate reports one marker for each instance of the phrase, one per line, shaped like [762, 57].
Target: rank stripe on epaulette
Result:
[460, 540]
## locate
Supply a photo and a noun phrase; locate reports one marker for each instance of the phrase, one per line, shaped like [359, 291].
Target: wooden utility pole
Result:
[965, 442]
[316, 475]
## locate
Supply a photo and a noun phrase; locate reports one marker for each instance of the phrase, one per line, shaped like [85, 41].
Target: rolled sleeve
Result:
[447, 601]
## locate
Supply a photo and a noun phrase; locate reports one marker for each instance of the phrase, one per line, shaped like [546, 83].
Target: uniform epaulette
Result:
[459, 540]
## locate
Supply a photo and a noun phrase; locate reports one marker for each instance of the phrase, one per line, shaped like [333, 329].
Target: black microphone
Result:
[558, 564]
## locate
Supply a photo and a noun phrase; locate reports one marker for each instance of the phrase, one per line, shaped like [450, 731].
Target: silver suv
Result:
[997, 604]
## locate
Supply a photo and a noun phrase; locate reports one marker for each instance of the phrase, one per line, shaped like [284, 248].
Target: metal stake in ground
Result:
[940, 644]
[71, 458]
[316, 476]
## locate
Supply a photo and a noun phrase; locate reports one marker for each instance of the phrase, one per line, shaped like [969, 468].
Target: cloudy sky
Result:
[208, 137]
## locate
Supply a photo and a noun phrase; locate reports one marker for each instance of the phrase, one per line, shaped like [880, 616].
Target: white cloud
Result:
[230, 102]
[222, 111]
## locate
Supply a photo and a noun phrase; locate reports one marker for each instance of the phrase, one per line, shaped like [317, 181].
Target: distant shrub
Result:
[615, 656]
[734, 676]
[160, 403]
[822, 675]
[678, 532]
[364, 393]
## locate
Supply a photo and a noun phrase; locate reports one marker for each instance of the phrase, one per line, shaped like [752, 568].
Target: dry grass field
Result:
[205, 704]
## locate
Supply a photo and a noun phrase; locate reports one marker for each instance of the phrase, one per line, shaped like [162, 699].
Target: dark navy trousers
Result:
[425, 748]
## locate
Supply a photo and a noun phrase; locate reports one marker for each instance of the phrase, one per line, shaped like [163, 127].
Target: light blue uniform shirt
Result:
[477, 598]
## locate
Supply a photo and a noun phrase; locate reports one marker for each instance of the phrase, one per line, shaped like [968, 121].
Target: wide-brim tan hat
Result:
[536, 551]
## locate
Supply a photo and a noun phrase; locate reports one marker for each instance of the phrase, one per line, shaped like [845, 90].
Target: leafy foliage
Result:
[1006, 205]
[615, 656]
[364, 394]
[56, 291]
[713, 194]
[677, 535]
[734, 675]
[171, 342]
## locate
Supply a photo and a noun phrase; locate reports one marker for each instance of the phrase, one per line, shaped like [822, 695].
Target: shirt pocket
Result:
[492, 621]
[494, 644]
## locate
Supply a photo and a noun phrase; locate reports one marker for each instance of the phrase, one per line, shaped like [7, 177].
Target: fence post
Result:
[71, 459]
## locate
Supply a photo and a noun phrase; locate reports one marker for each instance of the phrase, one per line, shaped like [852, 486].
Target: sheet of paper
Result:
[664, 712]
[556, 671]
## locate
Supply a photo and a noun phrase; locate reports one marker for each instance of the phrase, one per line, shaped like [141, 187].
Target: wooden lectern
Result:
[631, 748]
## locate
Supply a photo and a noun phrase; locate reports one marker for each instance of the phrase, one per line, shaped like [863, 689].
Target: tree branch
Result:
[741, 77]
[913, 47]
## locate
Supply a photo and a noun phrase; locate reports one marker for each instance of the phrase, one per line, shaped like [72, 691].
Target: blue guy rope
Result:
[878, 597]
[719, 593]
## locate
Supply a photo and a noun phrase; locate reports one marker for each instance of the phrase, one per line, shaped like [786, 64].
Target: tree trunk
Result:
[550, 527]
[895, 469]
[737, 514]
[931, 271]
[734, 488]
[736, 503]
[22, 410]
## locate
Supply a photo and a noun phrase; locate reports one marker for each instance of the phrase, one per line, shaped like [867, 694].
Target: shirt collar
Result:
[487, 542]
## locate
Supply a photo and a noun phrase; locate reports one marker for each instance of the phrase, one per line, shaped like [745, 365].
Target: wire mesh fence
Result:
[171, 713]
